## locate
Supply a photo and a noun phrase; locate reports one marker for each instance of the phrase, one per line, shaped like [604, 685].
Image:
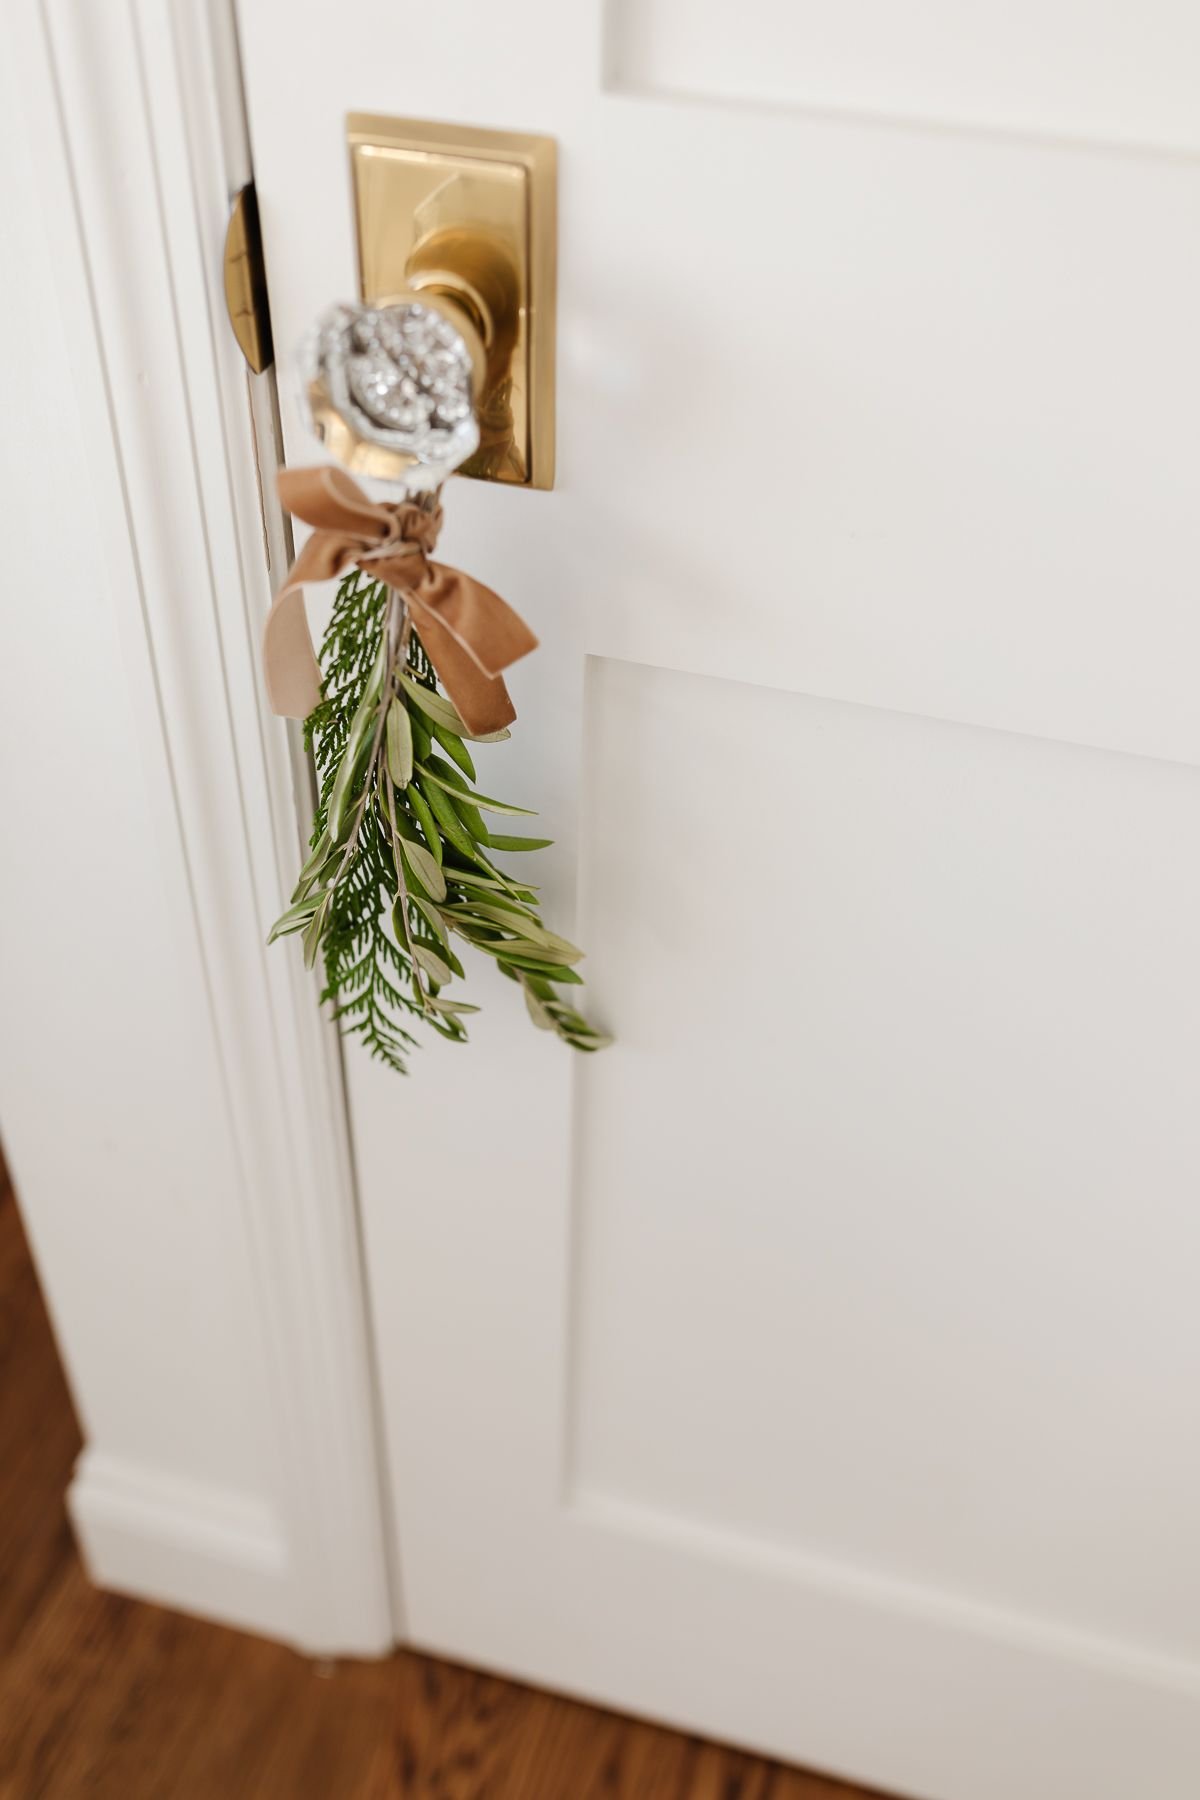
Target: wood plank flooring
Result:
[107, 1699]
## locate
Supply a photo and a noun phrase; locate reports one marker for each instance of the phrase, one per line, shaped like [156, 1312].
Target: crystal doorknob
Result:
[390, 390]
[407, 388]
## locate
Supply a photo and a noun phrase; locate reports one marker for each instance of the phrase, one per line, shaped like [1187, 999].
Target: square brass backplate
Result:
[418, 187]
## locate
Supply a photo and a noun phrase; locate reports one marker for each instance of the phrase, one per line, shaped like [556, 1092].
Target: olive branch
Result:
[399, 840]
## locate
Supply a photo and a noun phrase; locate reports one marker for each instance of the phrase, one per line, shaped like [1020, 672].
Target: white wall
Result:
[172, 1241]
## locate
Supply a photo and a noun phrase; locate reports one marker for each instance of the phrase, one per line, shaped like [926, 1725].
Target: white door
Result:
[817, 1368]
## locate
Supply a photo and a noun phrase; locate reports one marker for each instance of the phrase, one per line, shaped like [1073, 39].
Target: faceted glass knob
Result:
[391, 389]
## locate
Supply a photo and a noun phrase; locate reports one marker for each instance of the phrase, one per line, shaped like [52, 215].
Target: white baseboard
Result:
[182, 1544]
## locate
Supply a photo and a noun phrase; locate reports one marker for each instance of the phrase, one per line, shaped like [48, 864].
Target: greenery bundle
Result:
[401, 859]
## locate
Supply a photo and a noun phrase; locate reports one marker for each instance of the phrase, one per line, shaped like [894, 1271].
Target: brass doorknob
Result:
[409, 387]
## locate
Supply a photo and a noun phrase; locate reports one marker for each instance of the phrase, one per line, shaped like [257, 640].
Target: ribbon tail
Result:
[470, 634]
[482, 700]
[290, 667]
[490, 631]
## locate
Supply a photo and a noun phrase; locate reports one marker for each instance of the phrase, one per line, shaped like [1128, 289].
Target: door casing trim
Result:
[144, 141]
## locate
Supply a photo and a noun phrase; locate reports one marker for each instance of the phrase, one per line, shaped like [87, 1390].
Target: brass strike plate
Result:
[246, 282]
[457, 209]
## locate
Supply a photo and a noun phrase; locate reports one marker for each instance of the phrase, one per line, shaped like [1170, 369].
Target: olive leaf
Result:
[295, 918]
[357, 742]
[455, 749]
[537, 1012]
[519, 843]
[485, 801]
[451, 1006]
[432, 918]
[419, 807]
[432, 964]
[399, 743]
[426, 869]
[452, 827]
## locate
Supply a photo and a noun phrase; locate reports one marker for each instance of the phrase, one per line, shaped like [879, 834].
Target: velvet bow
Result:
[469, 633]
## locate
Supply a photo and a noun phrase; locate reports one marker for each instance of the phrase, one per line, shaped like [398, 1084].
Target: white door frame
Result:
[141, 142]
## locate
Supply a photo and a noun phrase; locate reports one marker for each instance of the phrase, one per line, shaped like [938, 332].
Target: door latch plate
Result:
[470, 208]
[246, 282]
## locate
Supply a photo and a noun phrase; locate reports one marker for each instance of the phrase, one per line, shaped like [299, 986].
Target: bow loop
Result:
[328, 499]
[469, 633]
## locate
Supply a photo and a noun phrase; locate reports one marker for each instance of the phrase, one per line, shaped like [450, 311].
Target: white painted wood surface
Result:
[1100, 72]
[170, 1102]
[816, 1367]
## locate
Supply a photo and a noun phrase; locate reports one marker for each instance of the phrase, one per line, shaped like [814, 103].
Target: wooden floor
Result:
[106, 1699]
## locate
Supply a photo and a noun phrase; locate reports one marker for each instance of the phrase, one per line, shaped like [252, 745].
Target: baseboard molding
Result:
[182, 1544]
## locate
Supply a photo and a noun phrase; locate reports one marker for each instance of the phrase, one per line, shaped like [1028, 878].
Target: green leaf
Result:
[426, 870]
[483, 866]
[356, 743]
[564, 976]
[558, 1009]
[413, 945]
[444, 954]
[451, 1006]
[471, 878]
[536, 1010]
[349, 785]
[532, 930]
[487, 804]
[424, 818]
[519, 843]
[317, 879]
[432, 963]
[432, 917]
[529, 957]
[436, 709]
[343, 788]
[295, 918]
[452, 826]
[515, 916]
[449, 775]
[471, 819]
[456, 787]
[320, 852]
[422, 741]
[448, 1027]
[455, 749]
[440, 712]
[399, 744]
[588, 1040]
[312, 937]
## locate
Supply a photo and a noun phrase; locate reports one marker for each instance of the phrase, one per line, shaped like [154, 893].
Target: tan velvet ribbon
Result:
[470, 634]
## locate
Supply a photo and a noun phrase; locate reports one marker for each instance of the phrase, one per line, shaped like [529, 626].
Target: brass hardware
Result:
[464, 220]
[246, 282]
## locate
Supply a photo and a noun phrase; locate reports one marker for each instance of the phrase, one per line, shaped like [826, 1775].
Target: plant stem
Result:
[395, 661]
[381, 721]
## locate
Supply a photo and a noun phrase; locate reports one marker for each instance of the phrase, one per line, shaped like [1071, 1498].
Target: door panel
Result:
[813, 1367]
[1101, 71]
[852, 1225]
